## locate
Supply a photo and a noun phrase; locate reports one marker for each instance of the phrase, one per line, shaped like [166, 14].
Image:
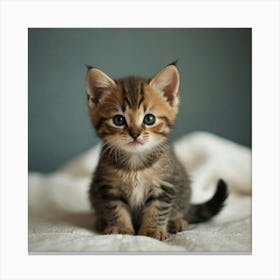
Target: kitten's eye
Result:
[149, 119]
[119, 120]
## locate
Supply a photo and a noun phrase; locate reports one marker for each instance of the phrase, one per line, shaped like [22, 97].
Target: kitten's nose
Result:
[134, 133]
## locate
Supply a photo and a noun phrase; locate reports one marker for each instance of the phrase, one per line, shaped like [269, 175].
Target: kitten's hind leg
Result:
[177, 225]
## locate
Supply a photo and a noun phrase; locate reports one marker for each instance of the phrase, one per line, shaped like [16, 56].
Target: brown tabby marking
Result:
[139, 186]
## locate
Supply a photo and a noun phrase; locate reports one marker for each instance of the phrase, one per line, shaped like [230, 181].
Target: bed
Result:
[60, 219]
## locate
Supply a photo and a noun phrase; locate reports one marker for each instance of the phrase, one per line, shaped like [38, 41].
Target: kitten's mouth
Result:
[135, 143]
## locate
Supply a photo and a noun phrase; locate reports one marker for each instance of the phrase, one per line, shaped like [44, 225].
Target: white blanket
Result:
[60, 218]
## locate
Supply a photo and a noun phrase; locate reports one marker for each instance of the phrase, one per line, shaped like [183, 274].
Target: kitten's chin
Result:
[135, 148]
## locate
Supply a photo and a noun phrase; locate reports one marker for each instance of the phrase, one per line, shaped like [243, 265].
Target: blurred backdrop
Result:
[215, 88]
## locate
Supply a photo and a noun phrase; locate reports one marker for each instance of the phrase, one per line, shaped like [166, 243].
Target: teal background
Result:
[215, 89]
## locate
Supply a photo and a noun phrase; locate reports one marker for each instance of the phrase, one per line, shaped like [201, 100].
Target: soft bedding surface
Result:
[60, 218]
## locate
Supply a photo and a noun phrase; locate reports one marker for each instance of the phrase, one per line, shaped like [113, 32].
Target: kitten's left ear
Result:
[166, 81]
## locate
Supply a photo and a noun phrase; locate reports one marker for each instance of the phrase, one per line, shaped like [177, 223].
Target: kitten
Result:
[139, 185]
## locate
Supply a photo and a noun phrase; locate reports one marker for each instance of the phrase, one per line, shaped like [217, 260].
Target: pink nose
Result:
[134, 134]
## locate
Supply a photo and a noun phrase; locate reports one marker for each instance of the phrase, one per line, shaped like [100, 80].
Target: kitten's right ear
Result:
[166, 82]
[97, 85]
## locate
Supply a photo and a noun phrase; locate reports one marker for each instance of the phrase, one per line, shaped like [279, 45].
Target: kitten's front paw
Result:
[157, 234]
[118, 230]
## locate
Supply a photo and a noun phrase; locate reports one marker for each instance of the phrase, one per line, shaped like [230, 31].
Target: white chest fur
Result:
[138, 194]
[137, 186]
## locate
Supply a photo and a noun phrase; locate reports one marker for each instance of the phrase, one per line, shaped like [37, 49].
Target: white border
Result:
[17, 16]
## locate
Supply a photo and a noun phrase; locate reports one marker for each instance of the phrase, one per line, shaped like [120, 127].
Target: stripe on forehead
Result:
[132, 89]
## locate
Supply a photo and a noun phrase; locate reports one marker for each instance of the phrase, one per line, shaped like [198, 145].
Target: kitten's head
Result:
[133, 114]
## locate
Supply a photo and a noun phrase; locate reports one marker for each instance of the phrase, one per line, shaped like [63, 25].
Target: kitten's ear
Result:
[166, 81]
[97, 85]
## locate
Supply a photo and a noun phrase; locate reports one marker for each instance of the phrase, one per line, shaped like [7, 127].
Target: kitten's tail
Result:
[205, 211]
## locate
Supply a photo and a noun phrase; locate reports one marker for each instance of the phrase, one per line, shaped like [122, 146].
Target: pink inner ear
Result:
[96, 96]
[167, 82]
[98, 83]
[171, 90]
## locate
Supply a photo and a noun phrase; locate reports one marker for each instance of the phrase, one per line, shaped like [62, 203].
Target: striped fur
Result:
[139, 186]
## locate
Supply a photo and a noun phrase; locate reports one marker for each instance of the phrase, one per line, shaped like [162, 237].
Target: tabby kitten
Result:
[139, 186]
